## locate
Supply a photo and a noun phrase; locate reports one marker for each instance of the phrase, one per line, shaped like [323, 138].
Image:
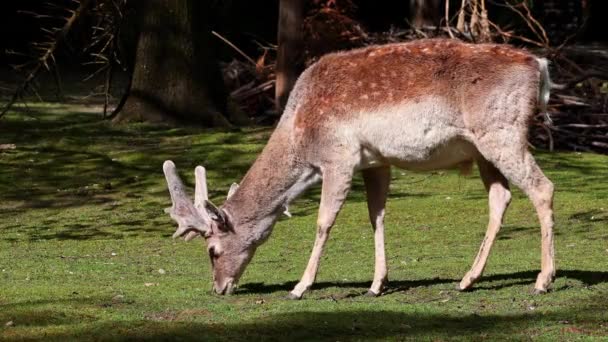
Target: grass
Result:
[86, 253]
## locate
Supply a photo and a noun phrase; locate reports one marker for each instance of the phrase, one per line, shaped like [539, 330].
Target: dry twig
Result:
[47, 56]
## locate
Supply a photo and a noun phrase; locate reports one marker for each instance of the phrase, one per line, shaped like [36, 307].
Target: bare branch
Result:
[48, 55]
[234, 47]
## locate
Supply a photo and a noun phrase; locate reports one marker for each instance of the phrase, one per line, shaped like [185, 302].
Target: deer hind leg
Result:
[377, 181]
[499, 198]
[508, 152]
[336, 185]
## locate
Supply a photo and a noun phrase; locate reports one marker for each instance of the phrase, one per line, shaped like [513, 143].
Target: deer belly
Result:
[445, 156]
[426, 138]
[449, 155]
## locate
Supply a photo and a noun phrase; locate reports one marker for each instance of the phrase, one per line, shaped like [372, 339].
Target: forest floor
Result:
[86, 250]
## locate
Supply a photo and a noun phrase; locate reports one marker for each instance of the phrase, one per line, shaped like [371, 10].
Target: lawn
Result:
[86, 250]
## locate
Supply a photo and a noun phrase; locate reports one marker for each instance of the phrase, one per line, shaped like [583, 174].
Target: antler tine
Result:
[200, 190]
[176, 187]
[182, 211]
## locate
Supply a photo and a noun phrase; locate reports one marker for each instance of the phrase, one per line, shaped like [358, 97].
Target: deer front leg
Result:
[499, 198]
[333, 193]
[377, 181]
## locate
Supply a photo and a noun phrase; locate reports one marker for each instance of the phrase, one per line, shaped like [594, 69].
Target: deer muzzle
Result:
[224, 288]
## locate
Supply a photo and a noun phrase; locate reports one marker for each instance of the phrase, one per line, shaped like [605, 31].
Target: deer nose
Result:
[217, 289]
[224, 289]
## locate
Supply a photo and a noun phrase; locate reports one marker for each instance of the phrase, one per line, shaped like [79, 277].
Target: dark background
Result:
[244, 21]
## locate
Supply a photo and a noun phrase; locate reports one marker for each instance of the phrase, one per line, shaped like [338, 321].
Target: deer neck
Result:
[277, 177]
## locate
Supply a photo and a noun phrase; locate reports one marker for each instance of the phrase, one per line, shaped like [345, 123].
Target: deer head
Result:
[228, 252]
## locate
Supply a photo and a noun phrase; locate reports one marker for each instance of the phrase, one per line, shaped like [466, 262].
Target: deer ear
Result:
[217, 215]
[233, 188]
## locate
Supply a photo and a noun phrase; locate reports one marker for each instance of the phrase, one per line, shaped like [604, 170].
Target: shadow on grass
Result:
[589, 216]
[589, 278]
[572, 172]
[65, 158]
[393, 286]
[68, 159]
[306, 325]
[514, 232]
[337, 325]
[339, 321]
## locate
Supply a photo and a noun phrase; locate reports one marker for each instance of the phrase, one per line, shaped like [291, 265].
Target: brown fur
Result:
[358, 80]
[421, 105]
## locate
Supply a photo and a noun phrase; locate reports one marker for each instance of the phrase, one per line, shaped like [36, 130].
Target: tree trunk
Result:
[290, 46]
[425, 13]
[175, 77]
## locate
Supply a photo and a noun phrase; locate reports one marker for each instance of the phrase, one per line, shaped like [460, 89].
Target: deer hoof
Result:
[459, 287]
[539, 291]
[292, 296]
[371, 293]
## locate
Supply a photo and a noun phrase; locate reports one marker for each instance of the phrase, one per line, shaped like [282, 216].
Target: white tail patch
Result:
[544, 88]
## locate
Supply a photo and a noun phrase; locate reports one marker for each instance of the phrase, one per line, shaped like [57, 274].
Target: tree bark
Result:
[290, 46]
[425, 13]
[176, 77]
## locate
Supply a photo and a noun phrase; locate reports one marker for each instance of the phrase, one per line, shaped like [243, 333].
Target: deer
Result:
[421, 105]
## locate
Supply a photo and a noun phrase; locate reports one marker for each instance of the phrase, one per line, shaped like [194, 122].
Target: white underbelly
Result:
[422, 136]
[447, 156]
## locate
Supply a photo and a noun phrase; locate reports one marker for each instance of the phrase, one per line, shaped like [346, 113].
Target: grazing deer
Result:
[422, 105]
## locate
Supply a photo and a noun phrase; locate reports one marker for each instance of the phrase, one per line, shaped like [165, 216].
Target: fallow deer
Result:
[422, 105]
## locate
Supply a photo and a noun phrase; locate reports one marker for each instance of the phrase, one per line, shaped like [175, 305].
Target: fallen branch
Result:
[248, 90]
[581, 78]
[234, 47]
[584, 126]
[571, 100]
[600, 144]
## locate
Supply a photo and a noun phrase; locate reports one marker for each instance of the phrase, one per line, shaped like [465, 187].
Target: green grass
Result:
[83, 237]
